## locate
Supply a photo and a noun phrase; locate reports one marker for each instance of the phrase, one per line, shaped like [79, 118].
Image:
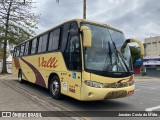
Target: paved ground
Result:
[23, 97]
[13, 99]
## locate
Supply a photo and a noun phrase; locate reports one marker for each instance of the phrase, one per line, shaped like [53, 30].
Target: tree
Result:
[135, 52]
[16, 23]
[1, 53]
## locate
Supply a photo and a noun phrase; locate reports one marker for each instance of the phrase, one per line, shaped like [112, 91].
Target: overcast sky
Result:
[136, 18]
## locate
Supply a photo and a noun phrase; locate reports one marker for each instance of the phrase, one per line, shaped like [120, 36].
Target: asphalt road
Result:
[146, 97]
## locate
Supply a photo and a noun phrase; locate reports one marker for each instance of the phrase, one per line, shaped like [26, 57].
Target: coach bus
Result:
[80, 58]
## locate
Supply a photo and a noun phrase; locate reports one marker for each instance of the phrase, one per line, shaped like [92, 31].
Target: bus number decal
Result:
[50, 63]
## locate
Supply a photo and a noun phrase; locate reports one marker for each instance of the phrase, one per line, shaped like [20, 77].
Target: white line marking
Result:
[148, 84]
[155, 99]
[155, 88]
[145, 87]
[137, 89]
[157, 85]
[152, 108]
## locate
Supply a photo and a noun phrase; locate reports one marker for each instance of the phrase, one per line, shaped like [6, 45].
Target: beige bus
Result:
[82, 59]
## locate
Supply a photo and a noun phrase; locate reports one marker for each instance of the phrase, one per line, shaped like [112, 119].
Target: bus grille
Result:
[116, 94]
[116, 85]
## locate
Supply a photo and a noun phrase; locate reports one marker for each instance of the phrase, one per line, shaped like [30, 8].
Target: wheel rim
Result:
[55, 87]
[19, 77]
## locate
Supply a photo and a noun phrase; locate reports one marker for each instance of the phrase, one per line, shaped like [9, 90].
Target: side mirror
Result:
[138, 42]
[87, 36]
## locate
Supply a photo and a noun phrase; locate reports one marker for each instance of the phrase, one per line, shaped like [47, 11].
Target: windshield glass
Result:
[108, 51]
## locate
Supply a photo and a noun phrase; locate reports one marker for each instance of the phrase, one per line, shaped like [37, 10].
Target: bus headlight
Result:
[93, 84]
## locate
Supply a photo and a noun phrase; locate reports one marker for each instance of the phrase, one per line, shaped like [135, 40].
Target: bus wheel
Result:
[20, 77]
[54, 87]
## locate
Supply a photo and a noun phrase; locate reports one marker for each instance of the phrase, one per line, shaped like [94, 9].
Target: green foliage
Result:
[15, 34]
[21, 21]
[135, 52]
[2, 52]
[16, 23]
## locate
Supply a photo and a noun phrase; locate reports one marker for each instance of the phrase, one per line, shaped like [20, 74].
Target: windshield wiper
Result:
[109, 54]
[123, 61]
[118, 53]
[118, 59]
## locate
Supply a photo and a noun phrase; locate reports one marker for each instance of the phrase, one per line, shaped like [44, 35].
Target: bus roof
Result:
[77, 20]
[99, 23]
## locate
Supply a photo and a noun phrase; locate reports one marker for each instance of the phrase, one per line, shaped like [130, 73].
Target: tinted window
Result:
[33, 48]
[42, 43]
[65, 36]
[14, 54]
[54, 40]
[73, 27]
[22, 49]
[72, 54]
[17, 52]
[26, 49]
[69, 29]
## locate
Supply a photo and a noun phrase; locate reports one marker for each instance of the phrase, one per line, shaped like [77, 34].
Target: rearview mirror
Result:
[138, 42]
[87, 36]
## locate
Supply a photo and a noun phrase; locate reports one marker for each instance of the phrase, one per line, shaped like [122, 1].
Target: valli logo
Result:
[50, 63]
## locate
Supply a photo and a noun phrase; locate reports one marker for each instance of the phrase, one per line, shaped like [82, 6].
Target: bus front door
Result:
[74, 84]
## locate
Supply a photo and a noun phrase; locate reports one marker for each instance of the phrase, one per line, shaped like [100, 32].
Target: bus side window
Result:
[42, 43]
[34, 44]
[26, 49]
[17, 52]
[73, 28]
[65, 36]
[14, 53]
[22, 50]
[54, 40]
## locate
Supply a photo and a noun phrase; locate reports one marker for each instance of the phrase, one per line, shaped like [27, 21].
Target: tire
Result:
[55, 88]
[20, 77]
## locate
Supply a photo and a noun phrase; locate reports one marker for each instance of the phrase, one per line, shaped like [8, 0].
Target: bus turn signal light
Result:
[130, 92]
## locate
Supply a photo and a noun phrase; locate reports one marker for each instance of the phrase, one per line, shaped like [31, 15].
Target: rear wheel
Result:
[55, 88]
[20, 77]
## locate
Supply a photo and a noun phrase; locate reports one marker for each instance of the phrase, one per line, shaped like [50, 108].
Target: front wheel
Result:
[20, 77]
[55, 88]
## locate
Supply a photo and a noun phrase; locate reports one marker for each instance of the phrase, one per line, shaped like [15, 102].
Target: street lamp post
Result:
[84, 9]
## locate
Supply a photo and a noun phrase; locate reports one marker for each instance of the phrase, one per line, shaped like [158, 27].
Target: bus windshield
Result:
[108, 51]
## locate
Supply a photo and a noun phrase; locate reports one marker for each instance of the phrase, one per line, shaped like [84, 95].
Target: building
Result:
[151, 60]
[152, 46]
[137, 66]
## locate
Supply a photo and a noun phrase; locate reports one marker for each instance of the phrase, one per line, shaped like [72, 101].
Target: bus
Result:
[82, 59]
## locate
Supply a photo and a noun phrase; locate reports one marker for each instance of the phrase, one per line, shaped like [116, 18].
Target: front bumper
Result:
[90, 93]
